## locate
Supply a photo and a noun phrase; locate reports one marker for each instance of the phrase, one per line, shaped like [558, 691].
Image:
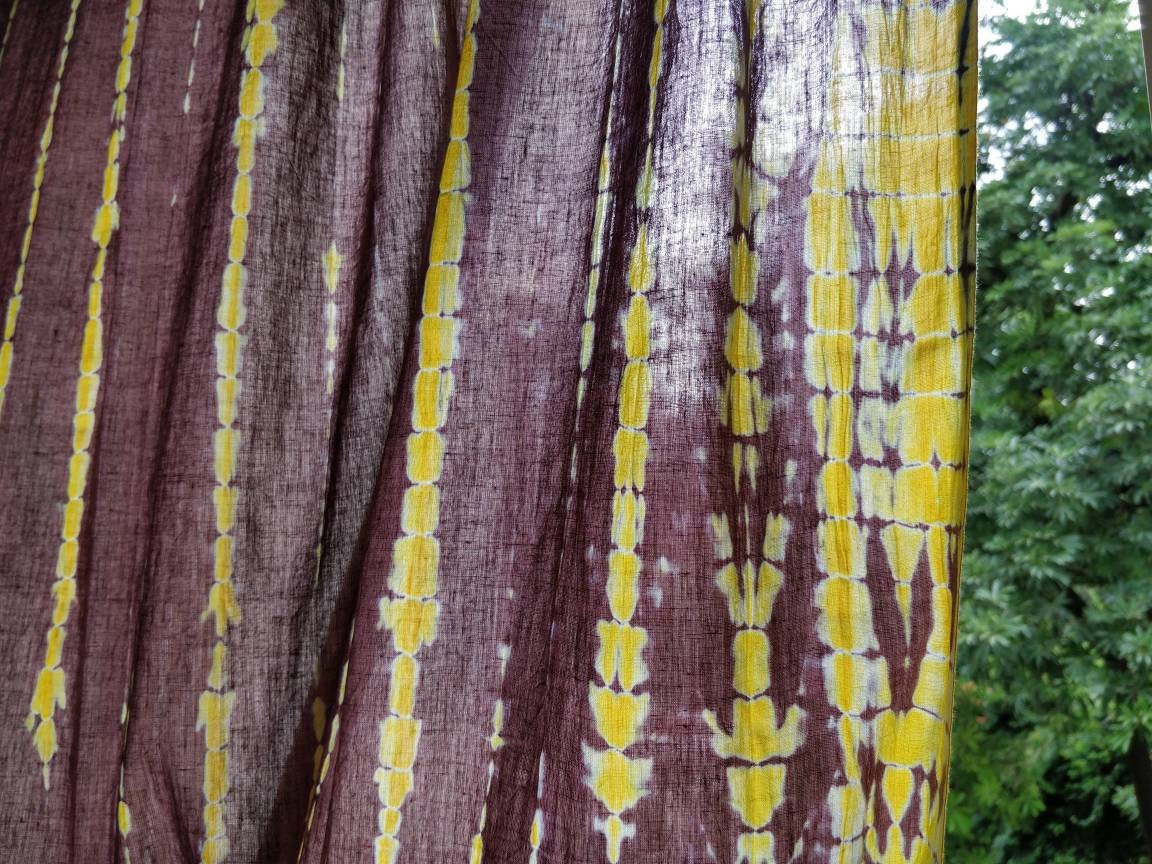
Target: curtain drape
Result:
[482, 430]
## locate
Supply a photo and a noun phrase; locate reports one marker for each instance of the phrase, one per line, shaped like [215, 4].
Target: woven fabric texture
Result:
[482, 430]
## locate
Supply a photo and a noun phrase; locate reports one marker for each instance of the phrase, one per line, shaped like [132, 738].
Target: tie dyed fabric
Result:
[482, 430]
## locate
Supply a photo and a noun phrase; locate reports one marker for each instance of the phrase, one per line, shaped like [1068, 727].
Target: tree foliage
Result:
[1055, 657]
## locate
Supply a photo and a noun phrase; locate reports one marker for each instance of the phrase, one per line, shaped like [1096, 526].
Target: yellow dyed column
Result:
[12, 311]
[410, 610]
[8, 27]
[600, 222]
[744, 409]
[836, 361]
[749, 574]
[618, 781]
[855, 680]
[919, 165]
[604, 201]
[760, 738]
[217, 701]
[49, 691]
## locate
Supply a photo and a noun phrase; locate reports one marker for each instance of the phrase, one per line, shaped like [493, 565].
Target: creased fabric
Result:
[482, 430]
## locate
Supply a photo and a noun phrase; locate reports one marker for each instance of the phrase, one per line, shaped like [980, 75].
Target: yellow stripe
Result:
[50, 688]
[12, 311]
[855, 681]
[217, 701]
[618, 781]
[762, 735]
[600, 221]
[599, 231]
[410, 610]
[8, 27]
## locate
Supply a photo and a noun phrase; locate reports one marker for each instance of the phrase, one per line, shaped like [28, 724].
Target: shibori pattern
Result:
[618, 781]
[887, 358]
[815, 603]
[410, 611]
[216, 703]
[51, 685]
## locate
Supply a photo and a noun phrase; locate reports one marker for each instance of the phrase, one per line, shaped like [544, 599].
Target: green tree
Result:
[1055, 662]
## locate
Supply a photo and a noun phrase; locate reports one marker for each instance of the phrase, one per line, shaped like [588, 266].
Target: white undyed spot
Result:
[660, 335]
[780, 295]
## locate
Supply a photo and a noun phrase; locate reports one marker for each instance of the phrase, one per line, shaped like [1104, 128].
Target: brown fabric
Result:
[507, 431]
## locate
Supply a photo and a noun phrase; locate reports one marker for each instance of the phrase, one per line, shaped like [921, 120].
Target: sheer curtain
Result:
[482, 430]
